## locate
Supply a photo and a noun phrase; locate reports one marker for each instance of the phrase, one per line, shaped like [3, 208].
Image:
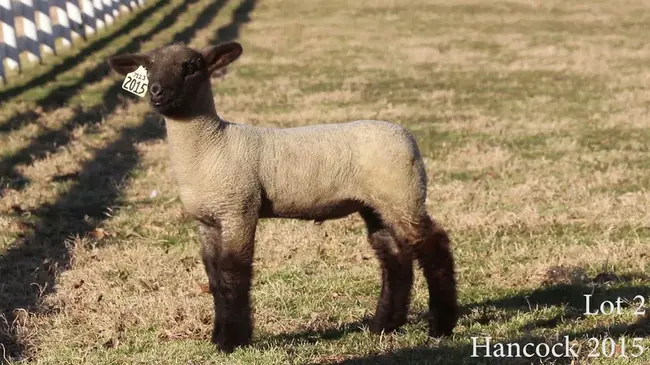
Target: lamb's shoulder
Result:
[224, 176]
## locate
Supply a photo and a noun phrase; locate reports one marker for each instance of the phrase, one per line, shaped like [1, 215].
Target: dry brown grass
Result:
[532, 117]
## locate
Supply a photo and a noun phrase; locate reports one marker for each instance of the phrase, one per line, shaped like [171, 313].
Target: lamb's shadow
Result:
[567, 296]
[311, 336]
[572, 295]
[467, 354]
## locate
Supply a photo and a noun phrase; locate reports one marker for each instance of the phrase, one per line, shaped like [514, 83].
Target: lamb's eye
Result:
[189, 68]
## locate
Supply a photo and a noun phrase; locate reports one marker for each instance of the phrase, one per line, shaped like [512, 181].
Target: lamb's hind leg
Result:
[228, 258]
[396, 274]
[431, 248]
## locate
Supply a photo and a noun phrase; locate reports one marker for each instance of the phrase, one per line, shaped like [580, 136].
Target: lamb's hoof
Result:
[228, 345]
[229, 341]
[378, 326]
[440, 329]
[436, 333]
[215, 334]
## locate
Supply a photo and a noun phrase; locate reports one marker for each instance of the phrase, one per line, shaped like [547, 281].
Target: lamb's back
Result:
[313, 167]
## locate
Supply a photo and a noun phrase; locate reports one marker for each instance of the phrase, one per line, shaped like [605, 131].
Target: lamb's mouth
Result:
[161, 104]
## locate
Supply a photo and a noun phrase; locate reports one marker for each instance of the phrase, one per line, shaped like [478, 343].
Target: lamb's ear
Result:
[123, 64]
[221, 55]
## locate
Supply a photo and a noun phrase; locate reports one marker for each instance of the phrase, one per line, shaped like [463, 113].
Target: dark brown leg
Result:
[228, 258]
[210, 247]
[234, 301]
[396, 275]
[437, 263]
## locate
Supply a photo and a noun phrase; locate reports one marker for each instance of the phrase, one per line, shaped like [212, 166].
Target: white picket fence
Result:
[43, 22]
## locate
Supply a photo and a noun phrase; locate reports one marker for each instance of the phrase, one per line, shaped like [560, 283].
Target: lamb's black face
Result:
[179, 76]
[176, 75]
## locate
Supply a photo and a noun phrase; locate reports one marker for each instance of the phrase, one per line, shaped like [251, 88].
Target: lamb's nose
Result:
[156, 90]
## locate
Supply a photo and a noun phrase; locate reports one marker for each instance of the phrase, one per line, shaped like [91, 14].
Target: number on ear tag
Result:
[136, 82]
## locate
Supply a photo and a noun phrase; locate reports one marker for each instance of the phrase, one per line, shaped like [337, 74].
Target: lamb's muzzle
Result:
[230, 175]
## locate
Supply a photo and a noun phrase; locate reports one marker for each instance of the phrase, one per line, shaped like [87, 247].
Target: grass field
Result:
[533, 118]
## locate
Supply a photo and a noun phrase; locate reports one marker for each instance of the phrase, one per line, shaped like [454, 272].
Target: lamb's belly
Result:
[309, 209]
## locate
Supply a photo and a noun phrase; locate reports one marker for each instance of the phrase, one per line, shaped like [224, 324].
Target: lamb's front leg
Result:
[228, 247]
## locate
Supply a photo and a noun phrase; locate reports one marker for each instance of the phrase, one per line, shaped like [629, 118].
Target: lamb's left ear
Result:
[221, 55]
[123, 64]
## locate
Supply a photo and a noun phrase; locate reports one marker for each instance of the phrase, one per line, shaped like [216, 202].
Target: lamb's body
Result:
[316, 172]
[231, 175]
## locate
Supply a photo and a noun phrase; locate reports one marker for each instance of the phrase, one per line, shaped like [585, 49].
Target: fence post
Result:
[62, 29]
[74, 16]
[126, 5]
[9, 35]
[45, 33]
[80, 17]
[108, 12]
[116, 8]
[2, 65]
[29, 40]
[99, 14]
[88, 16]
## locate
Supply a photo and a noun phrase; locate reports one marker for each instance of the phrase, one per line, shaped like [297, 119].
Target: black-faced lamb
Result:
[230, 175]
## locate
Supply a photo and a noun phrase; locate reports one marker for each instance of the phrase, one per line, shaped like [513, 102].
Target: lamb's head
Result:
[179, 76]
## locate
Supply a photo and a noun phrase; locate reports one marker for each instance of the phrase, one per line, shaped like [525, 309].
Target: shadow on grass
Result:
[230, 31]
[61, 95]
[73, 61]
[28, 269]
[471, 354]
[572, 295]
[240, 16]
[311, 336]
[569, 297]
[48, 142]
[18, 120]
[201, 22]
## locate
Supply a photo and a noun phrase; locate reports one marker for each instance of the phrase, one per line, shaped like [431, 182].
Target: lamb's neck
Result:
[190, 140]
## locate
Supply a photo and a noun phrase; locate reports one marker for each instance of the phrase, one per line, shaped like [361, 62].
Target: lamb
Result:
[231, 175]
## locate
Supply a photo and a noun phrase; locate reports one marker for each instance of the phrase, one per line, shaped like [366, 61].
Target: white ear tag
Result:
[136, 82]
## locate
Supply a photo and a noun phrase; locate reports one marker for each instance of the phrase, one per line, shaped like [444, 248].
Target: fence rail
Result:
[32, 27]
